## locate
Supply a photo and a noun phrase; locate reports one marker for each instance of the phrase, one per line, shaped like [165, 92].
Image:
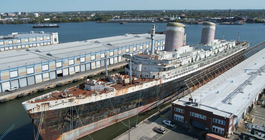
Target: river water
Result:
[69, 32]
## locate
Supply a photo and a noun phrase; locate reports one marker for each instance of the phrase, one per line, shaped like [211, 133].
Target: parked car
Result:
[159, 130]
[11, 89]
[168, 123]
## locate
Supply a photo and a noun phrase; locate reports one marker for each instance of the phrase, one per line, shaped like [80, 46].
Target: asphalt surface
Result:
[144, 131]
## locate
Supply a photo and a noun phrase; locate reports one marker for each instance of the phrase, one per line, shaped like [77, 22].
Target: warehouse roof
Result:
[30, 56]
[17, 35]
[234, 90]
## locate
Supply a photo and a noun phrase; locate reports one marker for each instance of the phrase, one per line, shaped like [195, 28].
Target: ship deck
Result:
[79, 92]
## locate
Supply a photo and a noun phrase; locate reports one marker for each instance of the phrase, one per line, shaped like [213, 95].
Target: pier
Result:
[215, 90]
[24, 91]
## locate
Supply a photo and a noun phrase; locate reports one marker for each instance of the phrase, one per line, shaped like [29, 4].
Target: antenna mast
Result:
[153, 40]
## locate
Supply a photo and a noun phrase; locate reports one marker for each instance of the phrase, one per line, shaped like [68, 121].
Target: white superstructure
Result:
[165, 64]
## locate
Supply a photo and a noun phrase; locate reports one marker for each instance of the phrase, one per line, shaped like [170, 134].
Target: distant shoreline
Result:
[42, 23]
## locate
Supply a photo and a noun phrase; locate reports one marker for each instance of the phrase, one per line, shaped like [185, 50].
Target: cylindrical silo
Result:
[174, 36]
[208, 32]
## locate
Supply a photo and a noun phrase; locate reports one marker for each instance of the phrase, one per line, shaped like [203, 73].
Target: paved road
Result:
[144, 131]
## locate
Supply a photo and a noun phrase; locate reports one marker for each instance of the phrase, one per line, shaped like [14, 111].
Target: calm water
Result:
[68, 32]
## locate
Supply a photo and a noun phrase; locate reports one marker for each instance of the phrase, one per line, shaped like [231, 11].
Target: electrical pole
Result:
[129, 131]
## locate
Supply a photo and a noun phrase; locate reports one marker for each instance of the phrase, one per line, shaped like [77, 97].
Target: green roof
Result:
[175, 24]
[209, 23]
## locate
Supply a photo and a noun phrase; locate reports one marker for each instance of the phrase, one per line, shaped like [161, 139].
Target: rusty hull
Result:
[88, 118]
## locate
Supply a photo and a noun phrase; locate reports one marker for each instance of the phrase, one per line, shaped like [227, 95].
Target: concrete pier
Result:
[6, 96]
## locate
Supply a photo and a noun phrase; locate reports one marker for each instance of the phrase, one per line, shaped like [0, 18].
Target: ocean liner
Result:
[151, 78]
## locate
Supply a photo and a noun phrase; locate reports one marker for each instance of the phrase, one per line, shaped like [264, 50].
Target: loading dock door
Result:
[6, 86]
[77, 69]
[83, 68]
[115, 59]
[102, 63]
[52, 75]
[31, 80]
[111, 60]
[38, 78]
[14, 83]
[23, 82]
[72, 70]
[65, 72]
[88, 66]
[198, 124]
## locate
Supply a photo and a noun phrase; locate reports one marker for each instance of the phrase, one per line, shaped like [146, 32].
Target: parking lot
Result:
[257, 115]
[144, 131]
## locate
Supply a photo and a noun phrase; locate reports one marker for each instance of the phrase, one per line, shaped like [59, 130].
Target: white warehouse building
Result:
[35, 65]
[27, 40]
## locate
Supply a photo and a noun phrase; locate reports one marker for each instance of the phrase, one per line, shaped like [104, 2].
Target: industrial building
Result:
[34, 65]
[221, 104]
[27, 40]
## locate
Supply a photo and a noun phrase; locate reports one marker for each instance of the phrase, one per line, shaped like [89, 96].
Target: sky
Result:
[97, 5]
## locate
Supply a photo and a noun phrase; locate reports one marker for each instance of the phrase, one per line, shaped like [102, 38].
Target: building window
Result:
[178, 118]
[179, 110]
[217, 129]
[218, 121]
[200, 116]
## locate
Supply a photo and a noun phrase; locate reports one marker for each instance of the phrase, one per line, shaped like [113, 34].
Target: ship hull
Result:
[88, 118]
[97, 115]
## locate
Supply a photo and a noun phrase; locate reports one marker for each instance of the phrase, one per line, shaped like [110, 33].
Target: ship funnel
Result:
[174, 36]
[208, 32]
[153, 40]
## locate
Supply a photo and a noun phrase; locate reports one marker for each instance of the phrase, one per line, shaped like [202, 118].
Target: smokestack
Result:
[174, 36]
[153, 40]
[208, 32]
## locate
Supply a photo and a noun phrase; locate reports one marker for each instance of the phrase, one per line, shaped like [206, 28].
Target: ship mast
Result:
[153, 40]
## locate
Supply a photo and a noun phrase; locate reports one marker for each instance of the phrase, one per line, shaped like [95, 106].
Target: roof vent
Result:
[27, 50]
[37, 50]
[109, 44]
[41, 32]
[97, 41]
[32, 32]
[49, 54]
